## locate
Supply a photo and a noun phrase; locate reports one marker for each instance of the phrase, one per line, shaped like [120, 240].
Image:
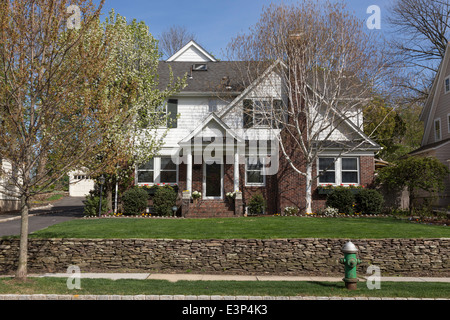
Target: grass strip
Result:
[225, 288]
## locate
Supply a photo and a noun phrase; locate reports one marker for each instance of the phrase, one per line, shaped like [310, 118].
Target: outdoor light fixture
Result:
[174, 209]
[101, 181]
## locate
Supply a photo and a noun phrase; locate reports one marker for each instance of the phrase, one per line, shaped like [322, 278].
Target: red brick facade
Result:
[286, 188]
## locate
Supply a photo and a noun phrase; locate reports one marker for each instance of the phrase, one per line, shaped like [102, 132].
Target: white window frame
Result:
[358, 171]
[436, 138]
[267, 115]
[156, 174]
[448, 122]
[338, 171]
[263, 162]
[446, 90]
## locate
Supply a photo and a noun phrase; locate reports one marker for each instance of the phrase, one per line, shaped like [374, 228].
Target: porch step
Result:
[211, 208]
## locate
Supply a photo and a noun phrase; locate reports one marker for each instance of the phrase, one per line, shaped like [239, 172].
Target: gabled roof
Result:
[370, 144]
[212, 117]
[431, 104]
[219, 77]
[430, 146]
[202, 54]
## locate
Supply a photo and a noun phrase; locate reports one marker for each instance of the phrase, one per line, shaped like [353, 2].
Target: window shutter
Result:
[248, 113]
[172, 111]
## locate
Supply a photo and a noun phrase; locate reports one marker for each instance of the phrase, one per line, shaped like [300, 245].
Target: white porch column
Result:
[236, 171]
[189, 171]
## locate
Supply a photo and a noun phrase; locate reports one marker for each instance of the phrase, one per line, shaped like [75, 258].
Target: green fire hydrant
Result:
[350, 262]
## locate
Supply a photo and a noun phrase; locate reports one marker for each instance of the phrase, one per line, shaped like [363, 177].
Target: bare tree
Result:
[328, 66]
[173, 39]
[421, 29]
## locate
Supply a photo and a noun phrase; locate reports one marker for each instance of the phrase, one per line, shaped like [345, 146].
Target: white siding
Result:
[192, 54]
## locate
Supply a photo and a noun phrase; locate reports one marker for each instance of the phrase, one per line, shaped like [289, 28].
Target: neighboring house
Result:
[210, 111]
[80, 184]
[436, 118]
[8, 200]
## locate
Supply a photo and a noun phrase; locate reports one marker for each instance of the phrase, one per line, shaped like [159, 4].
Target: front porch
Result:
[213, 180]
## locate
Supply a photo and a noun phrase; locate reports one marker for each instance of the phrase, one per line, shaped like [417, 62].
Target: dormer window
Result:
[447, 84]
[200, 67]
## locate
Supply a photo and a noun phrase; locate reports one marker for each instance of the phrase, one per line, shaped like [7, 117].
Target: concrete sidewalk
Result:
[211, 277]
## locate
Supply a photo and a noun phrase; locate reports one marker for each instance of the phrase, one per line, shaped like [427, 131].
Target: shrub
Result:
[91, 205]
[341, 199]
[134, 201]
[164, 200]
[257, 204]
[369, 201]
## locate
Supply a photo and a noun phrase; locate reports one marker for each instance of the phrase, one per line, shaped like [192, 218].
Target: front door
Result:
[212, 180]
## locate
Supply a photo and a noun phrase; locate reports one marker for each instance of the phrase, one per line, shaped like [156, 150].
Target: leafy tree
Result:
[55, 105]
[137, 139]
[416, 174]
[385, 125]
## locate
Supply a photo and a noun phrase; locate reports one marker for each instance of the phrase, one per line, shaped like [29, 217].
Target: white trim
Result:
[191, 43]
[433, 98]
[445, 85]
[204, 123]
[436, 138]
[448, 122]
[221, 182]
[250, 184]
[156, 173]
[338, 171]
[430, 149]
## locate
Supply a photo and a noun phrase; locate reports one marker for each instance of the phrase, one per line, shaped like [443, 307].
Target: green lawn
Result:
[254, 288]
[243, 228]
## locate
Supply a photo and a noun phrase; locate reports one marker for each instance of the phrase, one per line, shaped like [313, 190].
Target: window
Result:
[259, 113]
[166, 115]
[437, 129]
[254, 172]
[350, 171]
[168, 171]
[448, 122]
[146, 172]
[447, 84]
[262, 116]
[338, 170]
[327, 170]
[158, 170]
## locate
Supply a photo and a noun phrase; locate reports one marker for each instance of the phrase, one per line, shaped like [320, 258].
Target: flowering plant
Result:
[231, 195]
[291, 211]
[196, 195]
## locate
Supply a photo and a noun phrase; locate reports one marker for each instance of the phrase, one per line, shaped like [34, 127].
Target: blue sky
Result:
[215, 22]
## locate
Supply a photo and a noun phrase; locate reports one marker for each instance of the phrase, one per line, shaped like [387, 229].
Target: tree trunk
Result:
[21, 273]
[109, 196]
[308, 195]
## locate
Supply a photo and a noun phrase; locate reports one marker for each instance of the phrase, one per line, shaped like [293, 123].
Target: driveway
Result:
[63, 210]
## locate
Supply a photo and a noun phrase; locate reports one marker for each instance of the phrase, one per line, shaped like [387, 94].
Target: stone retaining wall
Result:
[429, 257]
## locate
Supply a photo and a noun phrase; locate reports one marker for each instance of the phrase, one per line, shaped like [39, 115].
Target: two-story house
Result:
[436, 118]
[214, 147]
